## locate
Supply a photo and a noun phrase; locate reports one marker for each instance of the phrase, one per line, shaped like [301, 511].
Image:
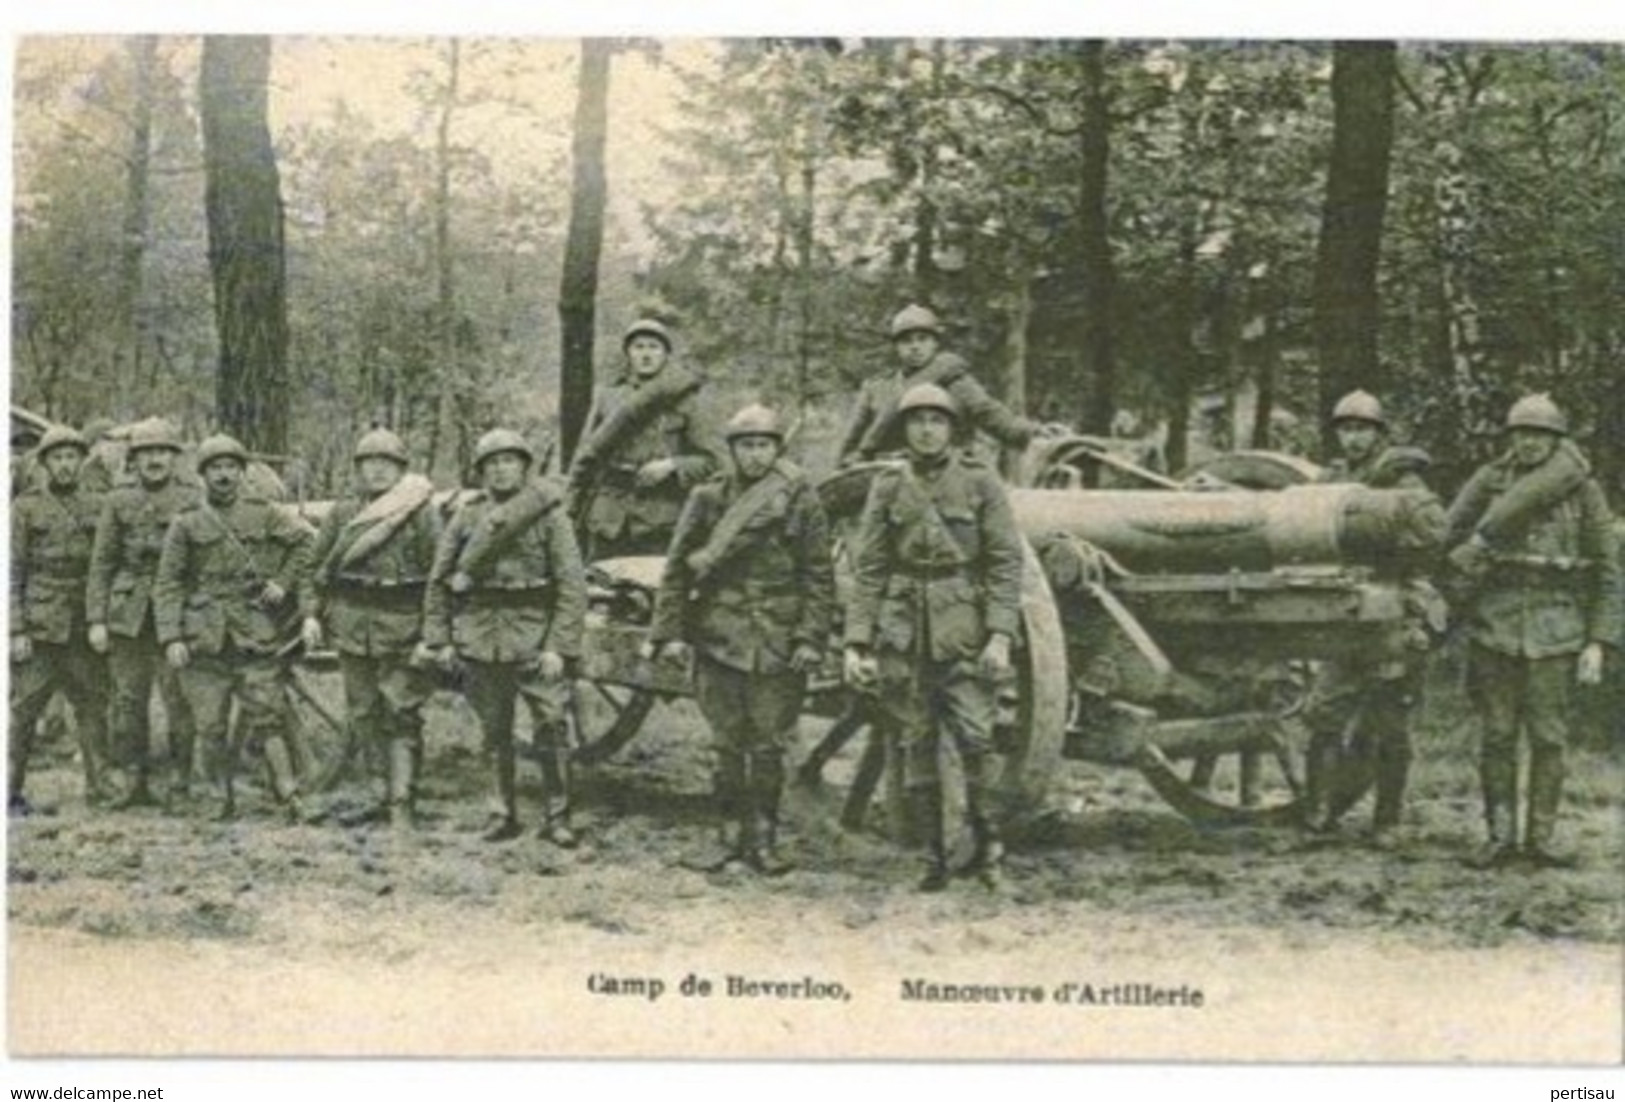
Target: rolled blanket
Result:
[377, 521]
[498, 527]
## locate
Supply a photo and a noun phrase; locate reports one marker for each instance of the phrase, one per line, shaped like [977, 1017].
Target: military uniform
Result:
[123, 564]
[372, 606]
[875, 429]
[936, 571]
[216, 562]
[528, 595]
[749, 579]
[1362, 706]
[1548, 588]
[51, 535]
[623, 518]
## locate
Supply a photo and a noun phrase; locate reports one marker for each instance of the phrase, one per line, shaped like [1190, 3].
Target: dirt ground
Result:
[142, 932]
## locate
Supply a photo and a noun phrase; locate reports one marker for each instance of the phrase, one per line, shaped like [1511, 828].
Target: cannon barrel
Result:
[1161, 531]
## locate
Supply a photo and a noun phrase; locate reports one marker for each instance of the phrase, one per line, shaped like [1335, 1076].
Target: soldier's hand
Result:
[995, 657]
[272, 595]
[310, 633]
[178, 655]
[1054, 428]
[1590, 665]
[861, 669]
[424, 656]
[805, 658]
[22, 648]
[1470, 558]
[550, 665]
[654, 472]
[98, 638]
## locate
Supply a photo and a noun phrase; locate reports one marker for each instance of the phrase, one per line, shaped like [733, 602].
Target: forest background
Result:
[298, 238]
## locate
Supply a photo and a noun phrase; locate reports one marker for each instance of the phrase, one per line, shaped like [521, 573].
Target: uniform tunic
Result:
[979, 411]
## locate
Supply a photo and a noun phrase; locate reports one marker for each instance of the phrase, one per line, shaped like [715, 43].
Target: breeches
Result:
[922, 702]
[749, 713]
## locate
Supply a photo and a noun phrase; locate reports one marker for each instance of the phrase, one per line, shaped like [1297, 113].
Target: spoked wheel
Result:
[607, 717]
[325, 750]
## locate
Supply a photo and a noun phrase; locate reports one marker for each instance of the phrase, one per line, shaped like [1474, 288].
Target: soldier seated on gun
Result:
[1530, 536]
[507, 600]
[750, 587]
[934, 610]
[53, 523]
[230, 568]
[123, 569]
[365, 594]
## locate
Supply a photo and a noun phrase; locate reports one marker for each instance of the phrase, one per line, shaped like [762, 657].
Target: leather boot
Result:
[222, 769]
[1393, 772]
[727, 797]
[401, 759]
[767, 782]
[506, 827]
[284, 778]
[1545, 797]
[555, 753]
[1499, 778]
[926, 804]
[987, 854]
[1320, 764]
[183, 740]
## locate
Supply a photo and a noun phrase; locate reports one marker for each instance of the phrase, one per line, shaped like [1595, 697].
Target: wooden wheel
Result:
[325, 749]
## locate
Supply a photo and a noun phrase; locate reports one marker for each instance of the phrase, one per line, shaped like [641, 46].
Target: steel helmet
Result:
[927, 396]
[915, 319]
[61, 436]
[498, 441]
[154, 432]
[381, 444]
[1537, 411]
[754, 420]
[647, 327]
[220, 446]
[1359, 405]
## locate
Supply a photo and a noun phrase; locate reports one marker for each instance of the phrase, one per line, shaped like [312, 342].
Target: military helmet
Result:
[61, 436]
[1359, 405]
[647, 327]
[915, 319]
[1537, 411]
[498, 441]
[220, 446]
[154, 432]
[927, 396]
[381, 444]
[754, 420]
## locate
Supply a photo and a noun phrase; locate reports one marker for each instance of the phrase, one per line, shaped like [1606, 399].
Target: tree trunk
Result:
[1099, 381]
[246, 261]
[133, 235]
[443, 448]
[578, 289]
[804, 260]
[1346, 306]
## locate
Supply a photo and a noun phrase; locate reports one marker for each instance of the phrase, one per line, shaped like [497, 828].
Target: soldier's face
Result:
[754, 455]
[378, 474]
[928, 432]
[503, 472]
[1357, 439]
[153, 466]
[223, 477]
[647, 355]
[62, 466]
[1532, 447]
[916, 349]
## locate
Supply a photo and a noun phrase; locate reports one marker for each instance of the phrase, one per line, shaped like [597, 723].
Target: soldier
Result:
[1530, 533]
[230, 564]
[750, 587]
[934, 609]
[52, 525]
[371, 563]
[123, 565]
[507, 597]
[645, 447]
[1361, 708]
[916, 334]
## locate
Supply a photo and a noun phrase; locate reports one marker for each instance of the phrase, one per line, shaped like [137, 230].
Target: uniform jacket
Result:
[774, 590]
[124, 558]
[938, 558]
[1552, 587]
[530, 595]
[678, 433]
[864, 438]
[51, 535]
[215, 562]
[374, 606]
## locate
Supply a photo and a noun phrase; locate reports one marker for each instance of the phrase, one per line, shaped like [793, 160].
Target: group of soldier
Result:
[160, 584]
